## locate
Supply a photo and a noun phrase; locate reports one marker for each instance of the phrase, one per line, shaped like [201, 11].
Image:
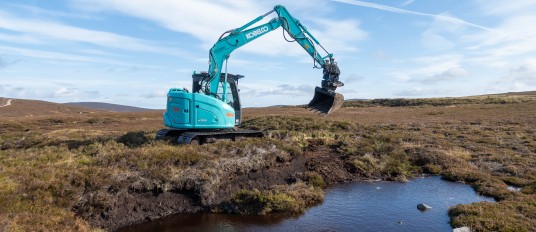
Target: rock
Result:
[423, 207]
[462, 229]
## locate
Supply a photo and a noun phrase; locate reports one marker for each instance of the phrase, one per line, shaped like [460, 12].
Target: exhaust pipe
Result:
[325, 102]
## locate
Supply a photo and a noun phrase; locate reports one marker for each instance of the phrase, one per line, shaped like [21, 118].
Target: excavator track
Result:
[201, 137]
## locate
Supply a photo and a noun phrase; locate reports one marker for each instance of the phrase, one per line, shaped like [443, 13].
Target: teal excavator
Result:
[212, 111]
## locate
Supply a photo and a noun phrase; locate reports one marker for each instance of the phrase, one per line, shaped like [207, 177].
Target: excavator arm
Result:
[325, 100]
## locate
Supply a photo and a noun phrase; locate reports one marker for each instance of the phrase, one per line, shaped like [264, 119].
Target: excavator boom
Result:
[325, 100]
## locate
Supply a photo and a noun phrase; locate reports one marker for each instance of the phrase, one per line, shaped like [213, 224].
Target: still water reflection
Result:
[375, 206]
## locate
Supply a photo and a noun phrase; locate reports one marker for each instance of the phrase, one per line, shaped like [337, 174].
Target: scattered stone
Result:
[423, 207]
[462, 229]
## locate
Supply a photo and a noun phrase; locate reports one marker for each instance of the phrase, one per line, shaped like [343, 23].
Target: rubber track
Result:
[187, 136]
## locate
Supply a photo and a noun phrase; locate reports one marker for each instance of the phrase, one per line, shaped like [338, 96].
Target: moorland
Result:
[65, 168]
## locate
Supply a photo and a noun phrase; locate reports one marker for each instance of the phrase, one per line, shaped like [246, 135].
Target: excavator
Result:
[212, 110]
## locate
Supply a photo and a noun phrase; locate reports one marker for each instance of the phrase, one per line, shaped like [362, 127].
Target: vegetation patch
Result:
[293, 198]
[405, 102]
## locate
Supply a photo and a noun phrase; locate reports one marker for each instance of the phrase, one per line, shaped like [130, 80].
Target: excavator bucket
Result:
[325, 102]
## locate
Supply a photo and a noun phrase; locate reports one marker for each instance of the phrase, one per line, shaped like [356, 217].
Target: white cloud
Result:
[423, 92]
[33, 10]
[409, 12]
[500, 7]
[500, 50]
[172, 14]
[253, 91]
[8, 90]
[48, 56]
[74, 93]
[448, 75]
[66, 92]
[162, 94]
[524, 75]
[36, 29]
[340, 35]
[413, 92]
[440, 35]
[434, 41]
[23, 39]
[426, 66]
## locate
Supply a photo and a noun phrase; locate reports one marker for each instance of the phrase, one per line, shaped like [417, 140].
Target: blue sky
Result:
[132, 51]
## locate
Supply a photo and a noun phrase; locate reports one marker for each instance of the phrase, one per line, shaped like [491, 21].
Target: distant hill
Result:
[11, 107]
[526, 93]
[106, 106]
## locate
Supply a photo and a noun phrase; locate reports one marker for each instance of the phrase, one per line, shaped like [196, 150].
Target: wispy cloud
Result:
[279, 90]
[411, 92]
[342, 34]
[36, 11]
[418, 92]
[38, 28]
[448, 75]
[4, 63]
[502, 8]
[74, 93]
[415, 69]
[408, 2]
[436, 16]
[164, 13]
[48, 55]
[524, 75]
[157, 94]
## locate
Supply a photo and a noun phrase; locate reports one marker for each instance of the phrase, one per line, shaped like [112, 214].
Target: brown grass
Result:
[48, 161]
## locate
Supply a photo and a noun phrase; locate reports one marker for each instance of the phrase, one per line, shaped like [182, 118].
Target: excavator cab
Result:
[232, 99]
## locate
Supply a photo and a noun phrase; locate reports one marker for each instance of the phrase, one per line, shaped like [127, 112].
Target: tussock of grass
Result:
[316, 180]
[294, 198]
[501, 216]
